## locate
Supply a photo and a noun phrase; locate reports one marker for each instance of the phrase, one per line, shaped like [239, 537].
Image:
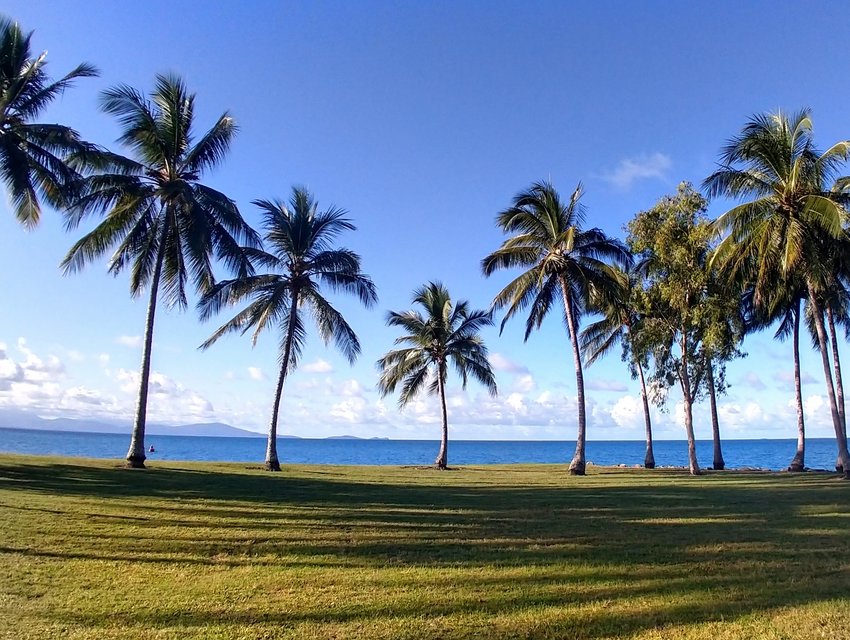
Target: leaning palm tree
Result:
[560, 258]
[165, 225]
[302, 257]
[31, 154]
[620, 320]
[446, 334]
[789, 217]
[836, 305]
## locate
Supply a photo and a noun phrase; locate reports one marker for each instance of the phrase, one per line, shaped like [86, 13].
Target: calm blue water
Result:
[766, 454]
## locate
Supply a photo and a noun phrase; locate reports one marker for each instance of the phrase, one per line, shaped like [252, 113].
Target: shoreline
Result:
[153, 464]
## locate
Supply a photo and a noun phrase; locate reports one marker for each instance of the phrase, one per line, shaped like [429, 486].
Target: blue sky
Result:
[422, 120]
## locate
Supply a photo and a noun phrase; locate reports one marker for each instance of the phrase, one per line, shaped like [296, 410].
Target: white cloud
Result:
[10, 371]
[753, 381]
[39, 383]
[322, 405]
[786, 378]
[525, 383]
[85, 396]
[319, 366]
[816, 405]
[168, 399]
[501, 363]
[601, 384]
[358, 411]
[134, 342]
[515, 402]
[255, 373]
[627, 412]
[629, 170]
[38, 369]
[351, 388]
[477, 408]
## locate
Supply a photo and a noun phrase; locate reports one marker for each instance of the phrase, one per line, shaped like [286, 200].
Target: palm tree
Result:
[790, 217]
[30, 153]
[302, 257]
[446, 334]
[164, 223]
[835, 304]
[836, 361]
[620, 320]
[783, 305]
[718, 464]
[560, 257]
[798, 462]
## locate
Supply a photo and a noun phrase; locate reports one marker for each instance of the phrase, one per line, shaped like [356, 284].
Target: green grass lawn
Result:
[182, 550]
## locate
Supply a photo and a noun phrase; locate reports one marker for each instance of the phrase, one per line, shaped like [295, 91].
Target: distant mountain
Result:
[16, 419]
[204, 429]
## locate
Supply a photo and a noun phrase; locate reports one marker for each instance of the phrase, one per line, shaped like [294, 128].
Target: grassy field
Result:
[89, 550]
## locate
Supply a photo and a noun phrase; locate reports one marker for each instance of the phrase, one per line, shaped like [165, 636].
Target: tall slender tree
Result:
[839, 381]
[32, 155]
[723, 328]
[560, 259]
[302, 258]
[619, 324]
[836, 305]
[788, 217]
[718, 464]
[447, 334]
[798, 462]
[783, 306]
[164, 224]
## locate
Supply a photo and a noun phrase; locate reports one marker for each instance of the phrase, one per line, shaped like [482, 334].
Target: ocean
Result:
[762, 454]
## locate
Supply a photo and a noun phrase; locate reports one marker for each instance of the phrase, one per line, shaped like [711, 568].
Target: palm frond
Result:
[332, 326]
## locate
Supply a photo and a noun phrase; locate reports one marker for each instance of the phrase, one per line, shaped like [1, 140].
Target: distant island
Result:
[16, 419]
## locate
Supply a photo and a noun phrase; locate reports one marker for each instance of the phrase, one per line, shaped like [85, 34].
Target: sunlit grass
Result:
[89, 550]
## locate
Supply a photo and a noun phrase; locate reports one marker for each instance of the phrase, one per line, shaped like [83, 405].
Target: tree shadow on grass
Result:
[720, 548]
[561, 608]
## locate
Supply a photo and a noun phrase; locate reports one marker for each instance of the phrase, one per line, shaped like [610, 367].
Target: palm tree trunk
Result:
[272, 461]
[840, 436]
[649, 458]
[839, 385]
[578, 464]
[718, 463]
[136, 452]
[687, 398]
[799, 462]
[442, 460]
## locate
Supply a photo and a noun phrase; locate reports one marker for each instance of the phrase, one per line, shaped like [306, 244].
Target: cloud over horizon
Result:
[318, 406]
